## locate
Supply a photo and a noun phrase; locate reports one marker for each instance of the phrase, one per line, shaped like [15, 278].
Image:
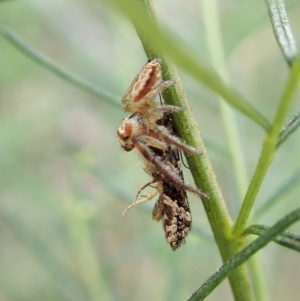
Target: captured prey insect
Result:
[149, 130]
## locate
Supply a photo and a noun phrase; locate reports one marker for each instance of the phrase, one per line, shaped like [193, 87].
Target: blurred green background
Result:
[64, 180]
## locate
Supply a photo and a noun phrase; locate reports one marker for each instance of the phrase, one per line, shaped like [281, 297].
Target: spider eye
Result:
[127, 145]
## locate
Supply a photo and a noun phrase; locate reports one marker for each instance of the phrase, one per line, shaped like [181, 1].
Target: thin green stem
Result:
[230, 266]
[47, 63]
[286, 41]
[268, 149]
[214, 41]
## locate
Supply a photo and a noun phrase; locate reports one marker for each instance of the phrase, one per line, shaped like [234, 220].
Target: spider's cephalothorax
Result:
[140, 96]
[149, 130]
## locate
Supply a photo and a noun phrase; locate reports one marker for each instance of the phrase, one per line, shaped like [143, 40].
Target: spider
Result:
[146, 127]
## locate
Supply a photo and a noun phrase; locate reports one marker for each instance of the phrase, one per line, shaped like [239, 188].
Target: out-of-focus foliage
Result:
[64, 179]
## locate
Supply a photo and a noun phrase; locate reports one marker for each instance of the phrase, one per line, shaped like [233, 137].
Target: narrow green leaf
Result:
[288, 129]
[287, 239]
[47, 63]
[256, 23]
[226, 269]
[282, 29]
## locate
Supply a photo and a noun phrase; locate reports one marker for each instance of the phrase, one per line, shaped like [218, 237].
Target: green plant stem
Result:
[245, 254]
[268, 149]
[164, 44]
[213, 36]
[47, 63]
[201, 168]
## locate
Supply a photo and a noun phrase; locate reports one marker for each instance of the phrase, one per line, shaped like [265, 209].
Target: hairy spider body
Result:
[140, 96]
[149, 130]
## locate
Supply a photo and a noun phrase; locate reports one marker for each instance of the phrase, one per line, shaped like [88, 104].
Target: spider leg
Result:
[166, 109]
[159, 87]
[151, 141]
[142, 188]
[165, 171]
[144, 200]
[165, 135]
